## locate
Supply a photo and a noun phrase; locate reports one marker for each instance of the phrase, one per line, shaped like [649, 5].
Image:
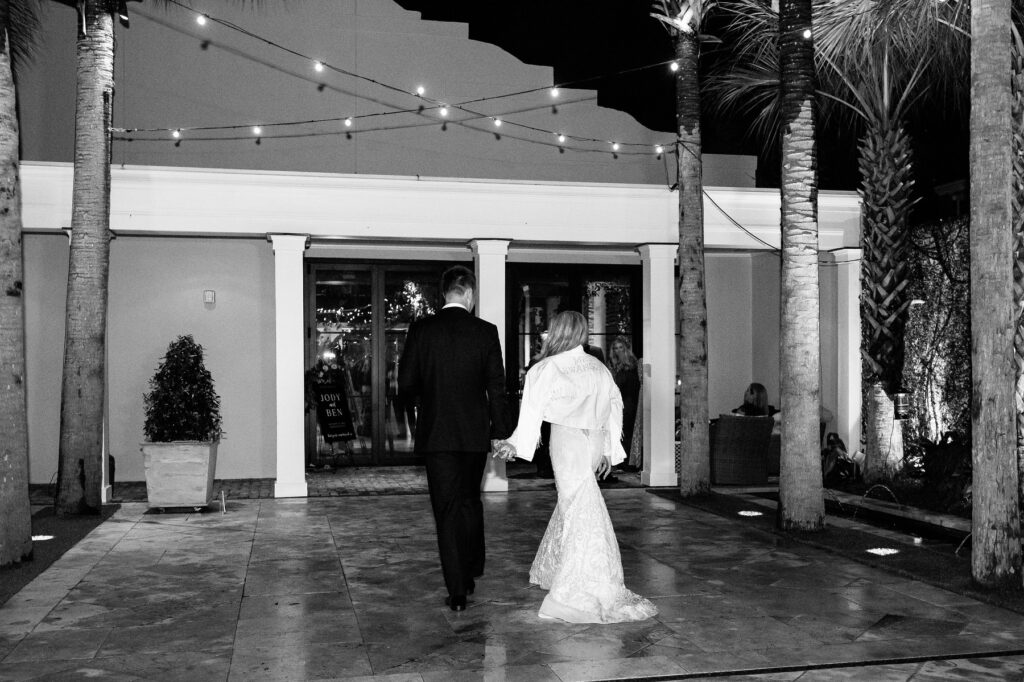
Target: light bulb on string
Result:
[673, 66]
[658, 149]
[615, 146]
[807, 34]
[443, 111]
[497, 123]
[175, 134]
[201, 19]
[348, 122]
[318, 66]
[554, 92]
[561, 138]
[256, 130]
[420, 90]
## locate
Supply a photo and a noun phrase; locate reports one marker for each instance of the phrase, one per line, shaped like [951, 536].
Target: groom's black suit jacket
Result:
[452, 365]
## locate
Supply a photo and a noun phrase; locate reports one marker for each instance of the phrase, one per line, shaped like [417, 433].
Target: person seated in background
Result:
[755, 402]
[837, 467]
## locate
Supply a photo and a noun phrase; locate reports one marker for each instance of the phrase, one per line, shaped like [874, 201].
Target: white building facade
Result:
[222, 239]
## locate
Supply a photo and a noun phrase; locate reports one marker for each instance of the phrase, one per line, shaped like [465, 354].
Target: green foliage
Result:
[937, 373]
[182, 403]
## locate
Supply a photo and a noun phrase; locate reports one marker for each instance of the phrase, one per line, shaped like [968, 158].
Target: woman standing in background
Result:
[623, 365]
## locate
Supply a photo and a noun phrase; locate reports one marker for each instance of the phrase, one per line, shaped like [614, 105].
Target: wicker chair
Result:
[739, 449]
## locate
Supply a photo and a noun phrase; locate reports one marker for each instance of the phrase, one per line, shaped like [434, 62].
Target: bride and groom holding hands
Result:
[452, 366]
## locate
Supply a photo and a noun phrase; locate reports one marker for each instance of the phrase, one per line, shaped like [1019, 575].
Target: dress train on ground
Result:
[578, 560]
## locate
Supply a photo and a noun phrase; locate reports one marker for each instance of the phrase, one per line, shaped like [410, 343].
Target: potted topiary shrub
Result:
[183, 428]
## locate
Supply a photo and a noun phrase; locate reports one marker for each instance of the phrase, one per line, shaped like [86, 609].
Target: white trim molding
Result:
[231, 203]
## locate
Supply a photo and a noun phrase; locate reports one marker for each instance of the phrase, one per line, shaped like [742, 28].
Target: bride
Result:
[578, 560]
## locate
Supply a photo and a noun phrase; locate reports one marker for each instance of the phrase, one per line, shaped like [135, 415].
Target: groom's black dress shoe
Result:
[455, 603]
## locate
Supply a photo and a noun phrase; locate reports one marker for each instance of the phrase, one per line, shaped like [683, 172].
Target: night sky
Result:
[583, 40]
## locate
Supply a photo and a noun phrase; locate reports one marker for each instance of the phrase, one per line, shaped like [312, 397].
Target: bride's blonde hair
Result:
[567, 330]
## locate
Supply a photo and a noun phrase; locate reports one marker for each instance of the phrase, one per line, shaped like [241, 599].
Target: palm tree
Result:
[1017, 93]
[875, 61]
[683, 19]
[79, 470]
[18, 25]
[996, 553]
[800, 501]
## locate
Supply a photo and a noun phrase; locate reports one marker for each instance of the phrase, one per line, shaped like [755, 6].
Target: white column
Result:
[599, 318]
[288, 307]
[106, 486]
[848, 419]
[659, 358]
[489, 256]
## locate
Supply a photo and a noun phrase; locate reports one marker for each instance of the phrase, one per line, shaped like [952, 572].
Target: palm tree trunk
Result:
[82, 397]
[695, 465]
[15, 509]
[1017, 112]
[800, 499]
[996, 553]
[886, 188]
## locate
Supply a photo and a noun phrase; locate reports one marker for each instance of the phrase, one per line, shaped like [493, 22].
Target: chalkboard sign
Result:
[332, 413]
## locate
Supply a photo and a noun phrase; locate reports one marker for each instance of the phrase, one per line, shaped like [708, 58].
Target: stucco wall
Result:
[729, 329]
[156, 294]
[765, 301]
[46, 281]
[165, 79]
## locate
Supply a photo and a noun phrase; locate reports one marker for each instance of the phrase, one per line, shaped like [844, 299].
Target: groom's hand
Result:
[503, 449]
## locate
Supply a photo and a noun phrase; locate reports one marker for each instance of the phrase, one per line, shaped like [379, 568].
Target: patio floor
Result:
[350, 588]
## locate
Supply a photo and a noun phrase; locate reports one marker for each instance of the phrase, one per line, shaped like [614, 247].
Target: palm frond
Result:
[682, 16]
[23, 32]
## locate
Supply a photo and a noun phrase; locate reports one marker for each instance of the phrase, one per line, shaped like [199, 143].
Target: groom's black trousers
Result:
[454, 482]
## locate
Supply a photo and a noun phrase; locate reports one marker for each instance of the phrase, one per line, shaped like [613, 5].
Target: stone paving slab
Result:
[349, 588]
[335, 482]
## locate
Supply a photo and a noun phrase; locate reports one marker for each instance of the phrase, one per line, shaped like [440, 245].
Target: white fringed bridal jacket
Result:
[572, 389]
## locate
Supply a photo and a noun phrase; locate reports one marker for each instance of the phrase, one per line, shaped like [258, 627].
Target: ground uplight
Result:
[883, 551]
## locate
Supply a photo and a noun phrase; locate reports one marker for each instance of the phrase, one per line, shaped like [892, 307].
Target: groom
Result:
[452, 365]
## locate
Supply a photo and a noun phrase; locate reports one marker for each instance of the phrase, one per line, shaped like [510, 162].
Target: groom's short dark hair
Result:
[457, 279]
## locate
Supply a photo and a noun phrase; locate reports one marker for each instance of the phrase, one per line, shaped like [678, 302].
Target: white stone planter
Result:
[180, 474]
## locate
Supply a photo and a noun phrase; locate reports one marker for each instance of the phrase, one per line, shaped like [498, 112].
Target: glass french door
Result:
[609, 296]
[358, 318]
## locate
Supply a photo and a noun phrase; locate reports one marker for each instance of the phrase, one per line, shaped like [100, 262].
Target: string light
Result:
[807, 34]
[256, 130]
[673, 66]
[561, 139]
[615, 146]
[658, 149]
[201, 19]
[176, 134]
[348, 122]
[554, 92]
[443, 111]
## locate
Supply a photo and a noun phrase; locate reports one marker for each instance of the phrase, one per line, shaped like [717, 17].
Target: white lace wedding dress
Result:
[578, 560]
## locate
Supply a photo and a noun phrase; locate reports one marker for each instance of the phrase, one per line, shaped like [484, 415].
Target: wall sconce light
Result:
[901, 405]
[209, 296]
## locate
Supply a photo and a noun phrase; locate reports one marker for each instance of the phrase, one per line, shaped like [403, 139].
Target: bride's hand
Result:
[604, 467]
